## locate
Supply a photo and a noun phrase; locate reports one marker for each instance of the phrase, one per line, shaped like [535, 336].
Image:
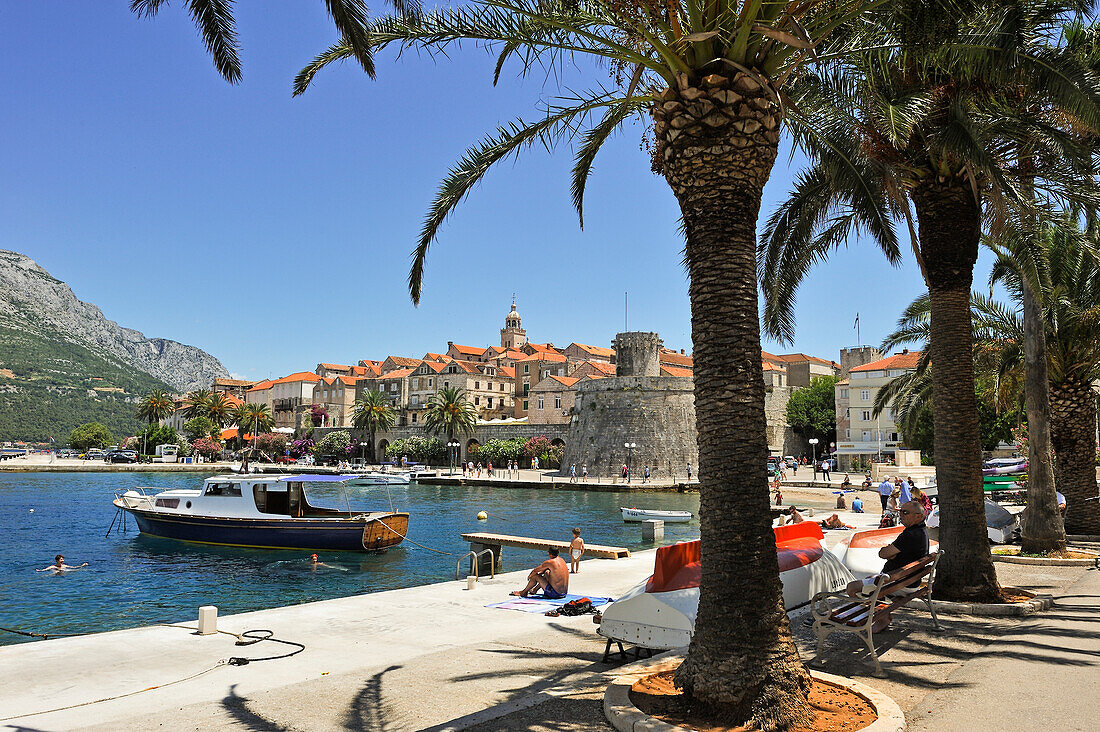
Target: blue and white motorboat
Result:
[264, 511]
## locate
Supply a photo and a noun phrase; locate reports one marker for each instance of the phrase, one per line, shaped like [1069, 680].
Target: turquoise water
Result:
[135, 580]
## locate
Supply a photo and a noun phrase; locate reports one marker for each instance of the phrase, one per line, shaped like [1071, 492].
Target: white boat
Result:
[646, 514]
[859, 551]
[376, 478]
[660, 613]
[263, 512]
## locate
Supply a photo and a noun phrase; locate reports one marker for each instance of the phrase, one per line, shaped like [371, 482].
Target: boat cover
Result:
[318, 478]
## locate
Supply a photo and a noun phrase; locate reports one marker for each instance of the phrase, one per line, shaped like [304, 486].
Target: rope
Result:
[247, 638]
[437, 551]
[45, 636]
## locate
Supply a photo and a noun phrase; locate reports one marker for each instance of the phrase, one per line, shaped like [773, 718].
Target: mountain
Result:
[62, 363]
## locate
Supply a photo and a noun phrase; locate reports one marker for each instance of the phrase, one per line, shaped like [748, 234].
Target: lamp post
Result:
[452, 449]
[813, 447]
[629, 450]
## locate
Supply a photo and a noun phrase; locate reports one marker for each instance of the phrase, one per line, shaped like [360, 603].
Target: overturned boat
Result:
[265, 512]
[859, 551]
[660, 613]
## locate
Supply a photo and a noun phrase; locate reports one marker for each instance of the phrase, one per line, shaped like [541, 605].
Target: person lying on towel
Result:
[552, 577]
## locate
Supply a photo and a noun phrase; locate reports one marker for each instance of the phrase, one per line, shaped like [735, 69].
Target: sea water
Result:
[135, 580]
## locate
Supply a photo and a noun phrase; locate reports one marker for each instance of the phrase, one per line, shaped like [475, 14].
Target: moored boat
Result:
[262, 511]
[660, 612]
[646, 514]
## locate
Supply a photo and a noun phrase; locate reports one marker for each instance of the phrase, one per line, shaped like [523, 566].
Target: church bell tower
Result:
[512, 335]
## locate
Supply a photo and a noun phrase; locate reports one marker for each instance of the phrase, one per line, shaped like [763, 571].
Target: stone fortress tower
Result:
[638, 406]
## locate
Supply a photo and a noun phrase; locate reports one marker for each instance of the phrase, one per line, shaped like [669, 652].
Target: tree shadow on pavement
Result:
[369, 710]
[237, 707]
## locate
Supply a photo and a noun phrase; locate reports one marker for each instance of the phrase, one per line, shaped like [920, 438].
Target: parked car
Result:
[94, 455]
[773, 466]
[120, 456]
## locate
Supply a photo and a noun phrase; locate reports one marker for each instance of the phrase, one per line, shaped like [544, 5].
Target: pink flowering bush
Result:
[206, 447]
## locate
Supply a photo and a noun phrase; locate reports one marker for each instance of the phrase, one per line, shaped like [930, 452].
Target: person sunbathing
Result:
[552, 577]
[834, 522]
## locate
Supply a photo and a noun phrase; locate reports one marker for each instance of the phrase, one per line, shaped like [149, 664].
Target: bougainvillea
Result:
[206, 447]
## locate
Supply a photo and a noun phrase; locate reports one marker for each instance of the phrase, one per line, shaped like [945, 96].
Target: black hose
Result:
[254, 637]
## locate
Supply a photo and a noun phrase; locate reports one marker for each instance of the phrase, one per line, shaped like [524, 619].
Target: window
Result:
[540, 403]
[894, 415]
[490, 402]
[525, 405]
[502, 387]
[414, 418]
[557, 402]
[477, 401]
[526, 388]
[848, 412]
[865, 415]
[477, 384]
[847, 434]
[866, 435]
[526, 368]
[843, 393]
[415, 400]
[864, 394]
[446, 383]
[393, 386]
[430, 382]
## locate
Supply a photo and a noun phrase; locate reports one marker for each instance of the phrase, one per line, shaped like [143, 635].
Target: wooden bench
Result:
[837, 611]
[495, 542]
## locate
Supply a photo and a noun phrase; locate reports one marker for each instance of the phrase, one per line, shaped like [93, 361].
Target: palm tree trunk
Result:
[1042, 525]
[1073, 431]
[716, 147]
[949, 220]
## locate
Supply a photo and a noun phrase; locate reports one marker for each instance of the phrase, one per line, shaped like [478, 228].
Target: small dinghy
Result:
[660, 612]
[646, 514]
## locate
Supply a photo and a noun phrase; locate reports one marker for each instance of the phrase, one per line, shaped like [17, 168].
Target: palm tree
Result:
[153, 407]
[449, 412]
[219, 409]
[1070, 311]
[214, 20]
[373, 413]
[711, 73]
[254, 417]
[197, 403]
[934, 126]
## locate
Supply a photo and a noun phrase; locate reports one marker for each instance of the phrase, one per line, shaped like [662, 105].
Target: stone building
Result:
[336, 394]
[866, 435]
[552, 399]
[233, 387]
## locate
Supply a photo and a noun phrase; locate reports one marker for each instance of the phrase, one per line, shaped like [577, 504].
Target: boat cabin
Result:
[248, 497]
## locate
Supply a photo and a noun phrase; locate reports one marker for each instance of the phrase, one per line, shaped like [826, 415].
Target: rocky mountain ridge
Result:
[34, 301]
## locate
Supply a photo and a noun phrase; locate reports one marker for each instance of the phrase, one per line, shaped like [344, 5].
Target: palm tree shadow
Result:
[237, 707]
[369, 710]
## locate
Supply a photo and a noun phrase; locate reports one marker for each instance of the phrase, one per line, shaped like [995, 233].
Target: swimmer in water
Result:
[315, 563]
[59, 566]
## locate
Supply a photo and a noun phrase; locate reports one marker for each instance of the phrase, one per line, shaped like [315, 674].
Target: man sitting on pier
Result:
[552, 577]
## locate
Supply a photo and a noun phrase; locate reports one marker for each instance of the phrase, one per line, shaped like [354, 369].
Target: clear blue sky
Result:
[275, 232]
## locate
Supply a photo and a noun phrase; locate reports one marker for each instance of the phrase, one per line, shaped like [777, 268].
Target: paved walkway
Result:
[1042, 674]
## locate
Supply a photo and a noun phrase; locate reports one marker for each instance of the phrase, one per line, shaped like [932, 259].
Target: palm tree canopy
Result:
[449, 412]
[254, 418]
[197, 403]
[219, 409]
[373, 413]
[216, 23]
[155, 406]
[654, 46]
[954, 112]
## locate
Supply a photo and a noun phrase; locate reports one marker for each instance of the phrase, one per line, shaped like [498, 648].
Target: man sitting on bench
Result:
[552, 577]
[911, 545]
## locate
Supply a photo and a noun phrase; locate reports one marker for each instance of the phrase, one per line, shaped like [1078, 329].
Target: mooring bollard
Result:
[208, 620]
[653, 530]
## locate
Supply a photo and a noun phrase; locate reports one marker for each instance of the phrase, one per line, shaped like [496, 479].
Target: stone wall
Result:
[483, 433]
[782, 439]
[637, 354]
[655, 412]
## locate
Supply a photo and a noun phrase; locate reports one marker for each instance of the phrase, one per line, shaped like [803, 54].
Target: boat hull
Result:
[369, 534]
[669, 517]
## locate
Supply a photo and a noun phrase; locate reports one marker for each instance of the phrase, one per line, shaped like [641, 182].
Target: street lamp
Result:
[453, 446]
[629, 450]
[813, 447]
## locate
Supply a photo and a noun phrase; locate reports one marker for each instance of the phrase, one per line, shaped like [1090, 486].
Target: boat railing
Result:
[474, 563]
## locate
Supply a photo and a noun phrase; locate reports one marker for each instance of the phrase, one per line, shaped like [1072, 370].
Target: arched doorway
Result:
[473, 447]
[557, 450]
[381, 453]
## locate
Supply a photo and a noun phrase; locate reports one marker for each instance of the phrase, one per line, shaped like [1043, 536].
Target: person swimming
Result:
[315, 564]
[59, 566]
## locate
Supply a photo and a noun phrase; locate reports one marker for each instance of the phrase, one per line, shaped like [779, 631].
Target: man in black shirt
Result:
[911, 544]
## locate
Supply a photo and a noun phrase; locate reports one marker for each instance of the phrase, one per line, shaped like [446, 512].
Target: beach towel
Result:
[539, 604]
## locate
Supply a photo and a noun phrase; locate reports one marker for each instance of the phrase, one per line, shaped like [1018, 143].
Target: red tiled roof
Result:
[564, 380]
[601, 366]
[674, 371]
[507, 371]
[397, 374]
[802, 357]
[266, 384]
[335, 367]
[769, 366]
[435, 356]
[300, 376]
[471, 350]
[435, 366]
[595, 350]
[897, 361]
[545, 356]
[677, 359]
[404, 360]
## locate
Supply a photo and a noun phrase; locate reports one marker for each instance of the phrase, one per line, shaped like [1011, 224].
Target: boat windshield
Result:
[222, 489]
